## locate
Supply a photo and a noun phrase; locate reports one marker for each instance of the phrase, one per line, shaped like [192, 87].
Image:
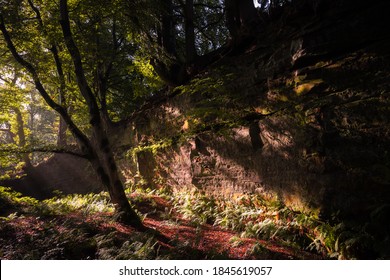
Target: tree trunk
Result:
[99, 150]
[190, 32]
[232, 18]
[166, 63]
[22, 136]
[104, 164]
[241, 18]
[167, 40]
[248, 15]
[61, 140]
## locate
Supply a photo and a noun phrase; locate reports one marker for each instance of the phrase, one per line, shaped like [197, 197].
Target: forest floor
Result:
[67, 229]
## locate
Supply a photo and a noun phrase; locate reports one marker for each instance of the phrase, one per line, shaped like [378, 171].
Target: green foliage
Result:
[25, 120]
[251, 216]
[10, 199]
[236, 241]
[196, 206]
[259, 249]
[256, 217]
[86, 204]
[61, 205]
[116, 69]
[152, 147]
[204, 86]
[10, 163]
[139, 247]
[59, 235]
[214, 105]
[148, 81]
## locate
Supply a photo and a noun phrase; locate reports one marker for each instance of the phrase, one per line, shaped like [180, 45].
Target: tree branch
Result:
[54, 51]
[211, 7]
[61, 76]
[77, 133]
[43, 150]
[74, 52]
[201, 29]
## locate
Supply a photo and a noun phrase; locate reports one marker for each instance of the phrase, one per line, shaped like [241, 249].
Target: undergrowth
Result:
[66, 227]
[255, 217]
[58, 205]
[82, 226]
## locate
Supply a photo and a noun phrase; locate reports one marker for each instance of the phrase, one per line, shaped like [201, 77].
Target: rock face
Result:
[60, 172]
[303, 119]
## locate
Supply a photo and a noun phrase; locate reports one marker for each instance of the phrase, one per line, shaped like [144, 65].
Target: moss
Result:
[153, 148]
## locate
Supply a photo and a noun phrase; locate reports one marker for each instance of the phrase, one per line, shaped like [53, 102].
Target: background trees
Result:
[185, 33]
[72, 65]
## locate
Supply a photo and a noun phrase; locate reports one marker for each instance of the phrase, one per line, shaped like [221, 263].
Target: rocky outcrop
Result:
[60, 173]
[303, 116]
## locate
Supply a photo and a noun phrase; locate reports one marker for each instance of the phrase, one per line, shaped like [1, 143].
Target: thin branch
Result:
[43, 150]
[54, 51]
[211, 7]
[201, 29]
[5, 80]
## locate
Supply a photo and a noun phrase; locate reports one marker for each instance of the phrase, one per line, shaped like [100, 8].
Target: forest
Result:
[209, 129]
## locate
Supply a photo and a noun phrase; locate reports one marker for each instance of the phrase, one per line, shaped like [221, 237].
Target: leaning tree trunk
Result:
[104, 164]
[232, 18]
[99, 150]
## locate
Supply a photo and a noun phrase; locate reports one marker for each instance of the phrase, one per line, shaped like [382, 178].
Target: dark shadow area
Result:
[326, 147]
